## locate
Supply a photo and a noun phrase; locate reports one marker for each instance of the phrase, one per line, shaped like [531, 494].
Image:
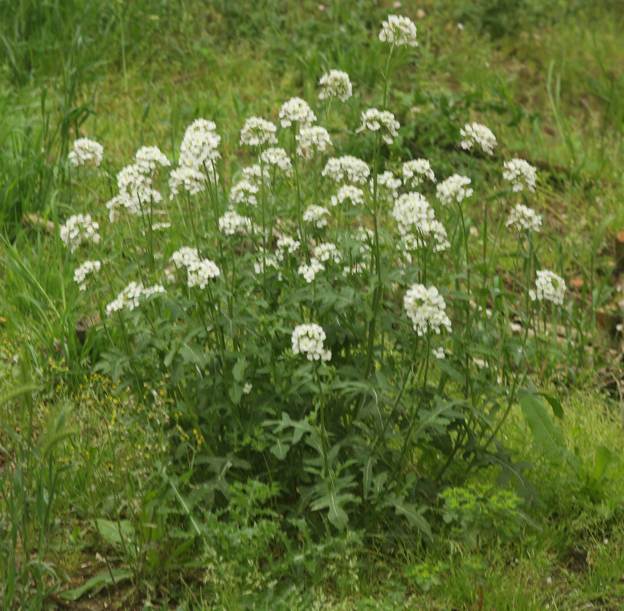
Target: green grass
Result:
[545, 76]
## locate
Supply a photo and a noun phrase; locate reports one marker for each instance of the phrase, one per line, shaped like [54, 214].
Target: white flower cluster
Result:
[286, 246]
[188, 179]
[399, 31]
[454, 189]
[312, 140]
[388, 184]
[346, 169]
[523, 218]
[417, 223]
[255, 174]
[348, 193]
[426, 308]
[316, 215]
[383, 121]
[297, 111]
[86, 152]
[244, 192]
[477, 135]
[232, 223]
[79, 228]
[548, 287]
[521, 174]
[83, 271]
[326, 251]
[149, 158]
[309, 340]
[309, 271]
[335, 84]
[277, 157]
[200, 145]
[198, 271]
[130, 298]
[258, 132]
[416, 170]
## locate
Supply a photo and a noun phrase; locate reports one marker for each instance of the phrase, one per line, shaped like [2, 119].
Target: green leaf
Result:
[280, 450]
[115, 533]
[238, 371]
[545, 434]
[96, 583]
[555, 404]
[413, 515]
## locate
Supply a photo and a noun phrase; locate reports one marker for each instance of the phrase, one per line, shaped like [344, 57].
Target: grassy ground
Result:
[545, 76]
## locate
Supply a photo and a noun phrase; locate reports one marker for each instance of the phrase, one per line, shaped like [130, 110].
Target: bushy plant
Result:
[343, 331]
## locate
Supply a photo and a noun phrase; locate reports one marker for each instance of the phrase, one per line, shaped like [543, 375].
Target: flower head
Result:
[198, 271]
[346, 169]
[244, 192]
[477, 135]
[83, 271]
[382, 121]
[297, 111]
[548, 287]
[399, 31]
[309, 340]
[149, 158]
[78, 229]
[523, 218]
[277, 157]
[86, 152]
[521, 174]
[312, 140]
[200, 145]
[454, 189]
[188, 179]
[316, 215]
[335, 84]
[232, 223]
[258, 132]
[131, 297]
[348, 193]
[426, 308]
[309, 271]
[416, 170]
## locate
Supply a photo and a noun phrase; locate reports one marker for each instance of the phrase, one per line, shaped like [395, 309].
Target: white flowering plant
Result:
[323, 316]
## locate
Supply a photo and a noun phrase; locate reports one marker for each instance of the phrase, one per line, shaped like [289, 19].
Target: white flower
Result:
[135, 189]
[326, 251]
[335, 84]
[86, 152]
[548, 287]
[417, 223]
[415, 170]
[200, 145]
[247, 388]
[476, 134]
[412, 211]
[277, 157]
[266, 260]
[312, 140]
[309, 271]
[382, 121]
[438, 353]
[258, 132]
[84, 270]
[198, 271]
[426, 308]
[387, 183]
[398, 30]
[148, 158]
[286, 246]
[189, 179]
[130, 297]
[253, 173]
[232, 223]
[244, 192]
[317, 215]
[523, 218]
[346, 169]
[348, 193]
[454, 189]
[297, 111]
[161, 226]
[521, 174]
[79, 228]
[309, 340]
